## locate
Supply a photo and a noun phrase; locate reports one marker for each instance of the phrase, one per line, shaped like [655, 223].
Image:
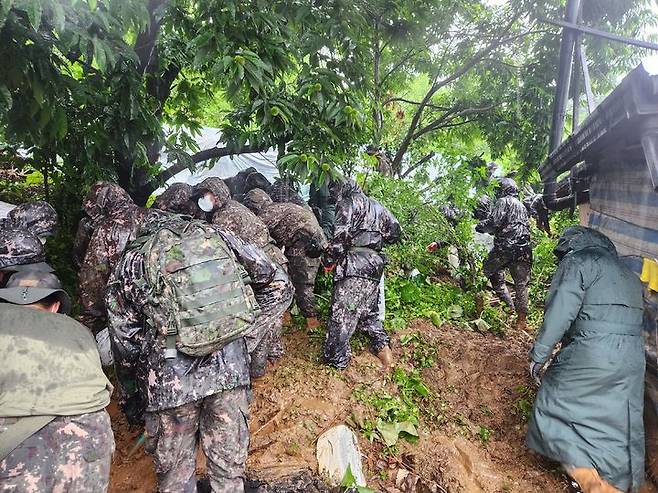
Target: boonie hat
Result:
[28, 287]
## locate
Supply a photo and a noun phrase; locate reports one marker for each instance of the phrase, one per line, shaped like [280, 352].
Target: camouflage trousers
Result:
[69, 454]
[219, 424]
[303, 271]
[354, 305]
[264, 340]
[519, 264]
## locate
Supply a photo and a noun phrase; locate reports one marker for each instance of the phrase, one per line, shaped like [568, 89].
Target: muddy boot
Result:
[521, 323]
[312, 323]
[386, 357]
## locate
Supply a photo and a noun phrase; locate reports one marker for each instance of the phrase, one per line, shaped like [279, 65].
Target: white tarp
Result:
[225, 167]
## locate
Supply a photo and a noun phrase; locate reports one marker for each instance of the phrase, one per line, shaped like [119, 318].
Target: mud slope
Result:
[472, 432]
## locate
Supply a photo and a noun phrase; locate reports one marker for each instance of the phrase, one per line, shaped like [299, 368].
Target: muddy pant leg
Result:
[372, 325]
[265, 338]
[225, 438]
[71, 453]
[343, 320]
[171, 439]
[521, 274]
[303, 271]
[494, 268]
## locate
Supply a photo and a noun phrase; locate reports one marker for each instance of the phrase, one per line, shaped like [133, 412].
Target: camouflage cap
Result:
[39, 218]
[176, 198]
[103, 198]
[19, 247]
[26, 288]
[217, 187]
[257, 200]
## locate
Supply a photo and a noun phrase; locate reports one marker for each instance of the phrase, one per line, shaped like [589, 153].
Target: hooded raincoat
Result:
[588, 411]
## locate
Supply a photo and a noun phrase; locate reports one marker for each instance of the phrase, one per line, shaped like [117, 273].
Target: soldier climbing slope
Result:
[363, 227]
[295, 229]
[55, 434]
[179, 305]
[116, 220]
[509, 224]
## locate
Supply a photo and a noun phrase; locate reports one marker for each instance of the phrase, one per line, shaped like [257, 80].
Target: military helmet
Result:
[257, 200]
[39, 218]
[103, 198]
[19, 247]
[29, 287]
[176, 198]
[507, 188]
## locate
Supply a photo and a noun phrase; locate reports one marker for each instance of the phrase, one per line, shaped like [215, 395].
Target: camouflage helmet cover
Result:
[175, 198]
[39, 218]
[19, 247]
[104, 198]
[257, 200]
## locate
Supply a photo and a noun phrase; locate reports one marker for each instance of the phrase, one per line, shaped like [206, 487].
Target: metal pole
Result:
[564, 76]
[580, 53]
[576, 89]
[571, 25]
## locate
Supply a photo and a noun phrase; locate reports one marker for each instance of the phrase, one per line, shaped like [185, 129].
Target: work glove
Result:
[535, 371]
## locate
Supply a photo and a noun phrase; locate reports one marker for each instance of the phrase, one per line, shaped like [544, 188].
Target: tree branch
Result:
[402, 61]
[418, 164]
[448, 117]
[437, 85]
[205, 155]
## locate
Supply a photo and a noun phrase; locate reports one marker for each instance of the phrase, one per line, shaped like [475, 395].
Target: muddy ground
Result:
[471, 434]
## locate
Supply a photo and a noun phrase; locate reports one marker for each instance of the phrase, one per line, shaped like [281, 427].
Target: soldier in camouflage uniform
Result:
[246, 180]
[176, 198]
[297, 230]
[189, 400]
[56, 434]
[284, 190]
[116, 220]
[363, 227]
[39, 218]
[264, 342]
[508, 222]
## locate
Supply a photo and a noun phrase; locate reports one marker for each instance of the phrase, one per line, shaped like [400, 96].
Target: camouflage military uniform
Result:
[81, 241]
[363, 226]
[509, 223]
[176, 198]
[116, 221]
[71, 453]
[246, 180]
[184, 395]
[18, 248]
[283, 191]
[39, 218]
[264, 342]
[297, 230]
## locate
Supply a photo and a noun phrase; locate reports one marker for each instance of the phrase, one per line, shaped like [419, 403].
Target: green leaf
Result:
[454, 312]
[389, 432]
[92, 4]
[99, 53]
[60, 123]
[58, 16]
[348, 479]
[34, 11]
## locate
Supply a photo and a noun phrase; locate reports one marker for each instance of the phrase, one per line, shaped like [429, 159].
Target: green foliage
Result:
[349, 482]
[523, 403]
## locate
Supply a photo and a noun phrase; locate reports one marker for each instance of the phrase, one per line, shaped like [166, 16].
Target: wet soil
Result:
[471, 433]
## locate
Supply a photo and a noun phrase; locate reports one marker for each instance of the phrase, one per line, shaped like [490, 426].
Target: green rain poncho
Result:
[588, 411]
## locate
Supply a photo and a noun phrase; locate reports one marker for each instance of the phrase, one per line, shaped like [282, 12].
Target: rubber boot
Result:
[312, 323]
[590, 482]
[521, 323]
[386, 357]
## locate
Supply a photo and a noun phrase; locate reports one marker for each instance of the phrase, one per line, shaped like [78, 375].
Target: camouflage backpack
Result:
[199, 294]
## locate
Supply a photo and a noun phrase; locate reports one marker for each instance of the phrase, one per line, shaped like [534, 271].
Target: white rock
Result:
[336, 450]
